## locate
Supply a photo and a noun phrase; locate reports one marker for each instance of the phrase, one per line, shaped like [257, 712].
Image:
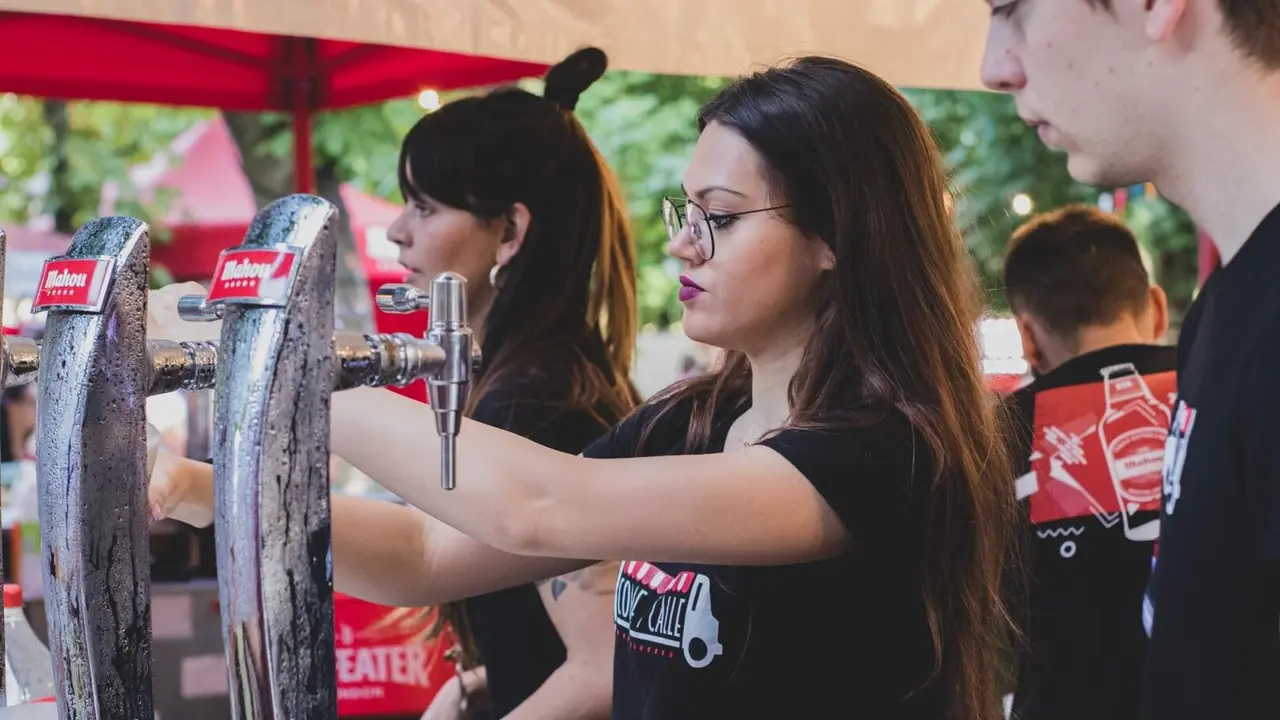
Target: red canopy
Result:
[77, 57]
[97, 59]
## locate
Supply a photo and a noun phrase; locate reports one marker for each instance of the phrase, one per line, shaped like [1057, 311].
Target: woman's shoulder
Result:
[881, 437]
[658, 427]
[872, 471]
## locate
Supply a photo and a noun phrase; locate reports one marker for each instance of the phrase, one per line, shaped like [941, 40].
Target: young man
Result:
[1090, 432]
[1186, 93]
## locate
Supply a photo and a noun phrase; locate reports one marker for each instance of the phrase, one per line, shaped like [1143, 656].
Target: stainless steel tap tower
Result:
[97, 371]
[278, 362]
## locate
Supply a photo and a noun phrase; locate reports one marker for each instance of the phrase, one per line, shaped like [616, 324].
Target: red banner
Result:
[386, 666]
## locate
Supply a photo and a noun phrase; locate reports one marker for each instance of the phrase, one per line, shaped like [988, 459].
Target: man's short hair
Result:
[1075, 267]
[1254, 26]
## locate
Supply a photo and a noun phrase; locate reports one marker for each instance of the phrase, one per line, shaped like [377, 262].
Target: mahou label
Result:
[78, 283]
[260, 277]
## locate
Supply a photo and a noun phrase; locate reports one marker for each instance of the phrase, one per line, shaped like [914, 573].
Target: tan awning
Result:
[917, 43]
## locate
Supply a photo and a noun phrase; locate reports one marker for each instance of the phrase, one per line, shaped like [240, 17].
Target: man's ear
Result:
[1032, 350]
[1162, 18]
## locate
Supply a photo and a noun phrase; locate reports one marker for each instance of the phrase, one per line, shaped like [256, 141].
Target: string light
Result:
[429, 100]
[1022, 204]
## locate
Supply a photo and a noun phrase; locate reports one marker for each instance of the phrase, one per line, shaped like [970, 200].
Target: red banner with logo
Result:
[386, 666]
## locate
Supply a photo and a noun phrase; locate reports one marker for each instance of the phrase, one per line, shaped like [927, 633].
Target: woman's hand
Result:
[163, 322]
[447, 704]
[181, 489]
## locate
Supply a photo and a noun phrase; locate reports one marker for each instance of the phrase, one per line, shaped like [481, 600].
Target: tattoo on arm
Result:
[598, 579]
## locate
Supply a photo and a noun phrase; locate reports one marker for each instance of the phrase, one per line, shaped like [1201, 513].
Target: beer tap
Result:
[447, 388]
[97, 371]
[278, 361]
[445, 358]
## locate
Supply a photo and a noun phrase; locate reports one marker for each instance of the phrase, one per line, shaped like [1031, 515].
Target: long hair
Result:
[571, 290]
[895, 331]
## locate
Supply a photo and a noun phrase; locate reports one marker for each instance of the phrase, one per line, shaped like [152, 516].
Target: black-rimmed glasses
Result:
[679, 213]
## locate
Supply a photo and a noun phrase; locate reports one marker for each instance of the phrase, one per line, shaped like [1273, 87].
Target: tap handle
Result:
[448, 302]
[194, 308]
[402, 298]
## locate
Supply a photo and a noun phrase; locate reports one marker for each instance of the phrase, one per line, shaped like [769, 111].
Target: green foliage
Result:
[363, 141]
[994, 157]
[103, 141]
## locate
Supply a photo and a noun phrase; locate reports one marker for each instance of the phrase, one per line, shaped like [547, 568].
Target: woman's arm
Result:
[580, 604]
[395, 555]
[382, 552]
[745, 507]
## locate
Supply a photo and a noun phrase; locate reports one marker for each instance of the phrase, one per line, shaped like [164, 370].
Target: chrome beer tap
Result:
[278, 361]
[449, 385]
[91, 458]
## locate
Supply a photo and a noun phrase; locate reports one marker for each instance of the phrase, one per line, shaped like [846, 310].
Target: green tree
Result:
[56, 157]
[995, 157]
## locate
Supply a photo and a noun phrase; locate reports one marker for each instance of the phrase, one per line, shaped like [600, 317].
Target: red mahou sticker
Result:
[76, 283]
[258, 277]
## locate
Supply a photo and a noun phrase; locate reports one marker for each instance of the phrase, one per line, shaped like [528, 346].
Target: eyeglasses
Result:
[679, 213]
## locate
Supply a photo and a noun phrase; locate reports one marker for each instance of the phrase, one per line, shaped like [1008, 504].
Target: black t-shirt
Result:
[1214, 612]
[517, 641]
[1090, 447]
[842, 637]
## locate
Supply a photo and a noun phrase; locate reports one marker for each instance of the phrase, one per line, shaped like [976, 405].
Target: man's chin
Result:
[1088, 170]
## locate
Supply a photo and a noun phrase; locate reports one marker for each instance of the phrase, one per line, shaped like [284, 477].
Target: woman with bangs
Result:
[507, 190]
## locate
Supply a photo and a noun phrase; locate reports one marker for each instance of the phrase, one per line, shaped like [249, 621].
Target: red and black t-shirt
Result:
[1090, 448]
[844, 637]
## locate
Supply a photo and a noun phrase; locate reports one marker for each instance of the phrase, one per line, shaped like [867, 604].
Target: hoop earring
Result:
[493, 276]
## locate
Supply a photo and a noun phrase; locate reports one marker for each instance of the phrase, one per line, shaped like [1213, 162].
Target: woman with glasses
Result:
[817, 528]
[508, 190]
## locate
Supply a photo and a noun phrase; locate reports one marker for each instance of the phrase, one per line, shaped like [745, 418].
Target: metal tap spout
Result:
[449, 384]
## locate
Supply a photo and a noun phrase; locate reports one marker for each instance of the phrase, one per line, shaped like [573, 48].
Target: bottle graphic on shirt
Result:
[701, 638]
[1132, 433]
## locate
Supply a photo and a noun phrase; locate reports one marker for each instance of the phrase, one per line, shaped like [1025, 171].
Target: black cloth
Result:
[1089, 451]
[517, 641]
[844, 637]
[1214, 608]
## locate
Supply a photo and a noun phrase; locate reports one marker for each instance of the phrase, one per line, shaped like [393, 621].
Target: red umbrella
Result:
[91, 58]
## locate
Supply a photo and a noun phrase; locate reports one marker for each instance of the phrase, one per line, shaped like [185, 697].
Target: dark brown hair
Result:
[895, 331]
[485, 153]
[1074, 268]
[1253, 25]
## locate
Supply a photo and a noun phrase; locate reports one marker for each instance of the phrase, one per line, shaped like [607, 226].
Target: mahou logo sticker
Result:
[258, 277]
[77, 283]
